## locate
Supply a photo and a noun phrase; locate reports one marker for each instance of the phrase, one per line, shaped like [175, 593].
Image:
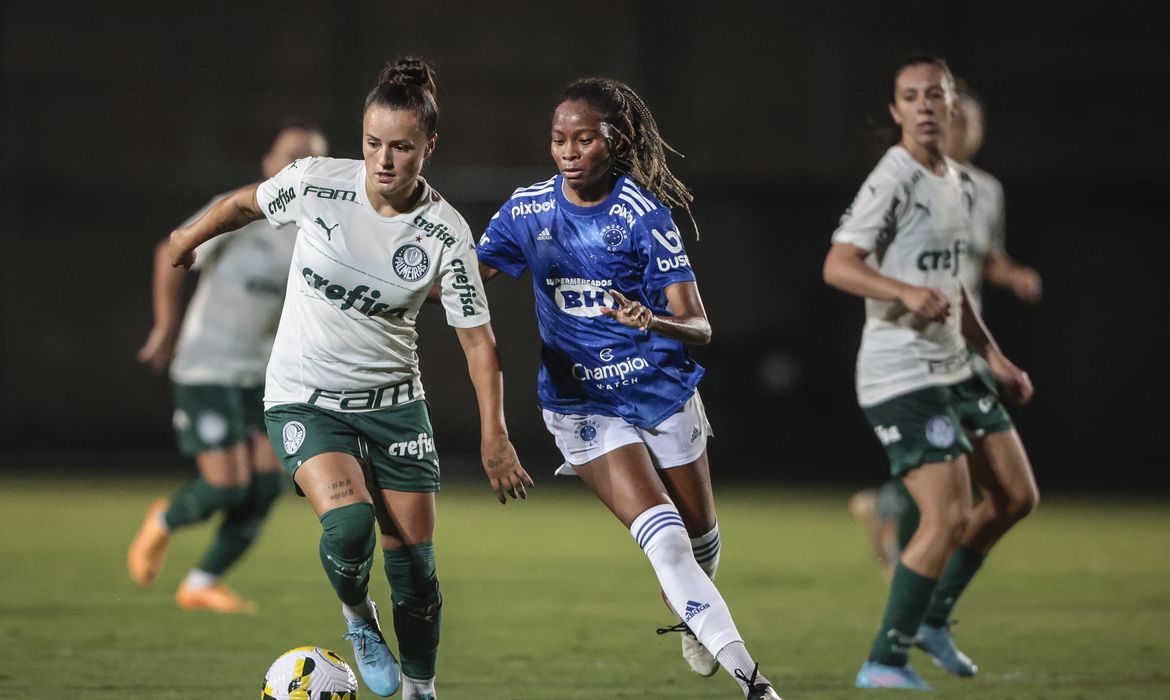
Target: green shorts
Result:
[396, 443]
[931, 424]
[216, 417]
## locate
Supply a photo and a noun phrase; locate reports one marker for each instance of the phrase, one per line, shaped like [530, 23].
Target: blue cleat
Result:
[938, 642]
[875, 675]
[375, 661]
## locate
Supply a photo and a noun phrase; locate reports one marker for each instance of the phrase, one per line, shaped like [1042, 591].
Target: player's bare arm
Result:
[234, 211]
[505, 474]
[688, 322]
[1014, 381]
[846, 270]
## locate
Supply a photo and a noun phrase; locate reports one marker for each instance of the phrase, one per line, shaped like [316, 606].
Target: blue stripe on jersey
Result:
[590, 363]
[655, 524]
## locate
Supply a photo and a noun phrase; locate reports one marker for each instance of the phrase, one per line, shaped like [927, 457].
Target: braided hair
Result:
[640, 150]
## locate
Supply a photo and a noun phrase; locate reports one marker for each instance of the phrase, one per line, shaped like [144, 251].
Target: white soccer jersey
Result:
[347, 338]
[987, 226]
[916, 226]
[230, 323]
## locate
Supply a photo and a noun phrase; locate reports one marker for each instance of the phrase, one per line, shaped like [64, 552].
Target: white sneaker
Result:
[696, 655]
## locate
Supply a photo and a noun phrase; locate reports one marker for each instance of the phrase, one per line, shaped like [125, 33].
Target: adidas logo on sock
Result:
[694, 608]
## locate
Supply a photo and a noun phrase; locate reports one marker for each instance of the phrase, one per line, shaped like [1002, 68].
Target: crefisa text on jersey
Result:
[284, 195]
[467, 293]
[438, 231]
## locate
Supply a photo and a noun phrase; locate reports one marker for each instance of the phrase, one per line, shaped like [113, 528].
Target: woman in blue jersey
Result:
[903, 247]
[617, 305]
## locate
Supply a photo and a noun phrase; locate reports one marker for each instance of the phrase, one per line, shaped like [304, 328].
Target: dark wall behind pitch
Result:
[117, 123]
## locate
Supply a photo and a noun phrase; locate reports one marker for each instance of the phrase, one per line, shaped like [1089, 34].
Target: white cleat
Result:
[694, 653]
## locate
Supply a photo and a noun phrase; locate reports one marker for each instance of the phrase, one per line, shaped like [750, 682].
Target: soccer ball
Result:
[309, 673]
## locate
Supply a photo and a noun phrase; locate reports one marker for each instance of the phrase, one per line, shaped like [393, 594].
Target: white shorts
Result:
[678, 440]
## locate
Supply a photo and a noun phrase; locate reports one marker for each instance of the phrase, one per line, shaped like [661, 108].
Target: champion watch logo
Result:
[694, 608]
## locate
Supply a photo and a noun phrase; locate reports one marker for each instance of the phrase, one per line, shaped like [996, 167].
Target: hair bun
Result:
[410, 71]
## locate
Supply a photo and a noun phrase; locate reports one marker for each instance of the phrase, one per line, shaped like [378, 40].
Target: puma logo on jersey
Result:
[328, 229]
[361, 297]
[923, 207]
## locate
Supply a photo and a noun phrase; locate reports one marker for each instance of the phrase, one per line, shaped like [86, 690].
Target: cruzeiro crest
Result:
[411, 262]
[614, 236]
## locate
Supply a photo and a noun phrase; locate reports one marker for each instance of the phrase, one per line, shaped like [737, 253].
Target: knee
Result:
[1019, 505]
[233, 497]
[348, 531]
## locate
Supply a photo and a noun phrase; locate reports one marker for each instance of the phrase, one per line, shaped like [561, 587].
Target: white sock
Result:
[735, 657]
[662, 536]
[361, 611]
[415, 688]
[706, 548]
[197, 579]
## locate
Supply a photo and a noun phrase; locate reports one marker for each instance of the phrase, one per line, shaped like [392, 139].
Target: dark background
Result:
[119, 122]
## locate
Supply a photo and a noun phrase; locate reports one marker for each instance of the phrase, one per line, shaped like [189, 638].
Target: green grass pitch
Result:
[550, 598]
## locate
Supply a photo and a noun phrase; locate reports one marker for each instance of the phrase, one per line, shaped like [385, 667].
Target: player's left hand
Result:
[629, 313]
[1026, 285]
[181, 255]
[1014, 382]
[503, 469]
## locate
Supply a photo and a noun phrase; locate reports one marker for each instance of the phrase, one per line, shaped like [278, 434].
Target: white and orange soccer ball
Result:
[309, 673]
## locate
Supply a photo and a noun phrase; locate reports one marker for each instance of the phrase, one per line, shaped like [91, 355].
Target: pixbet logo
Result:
[526, 208]
[621, 210]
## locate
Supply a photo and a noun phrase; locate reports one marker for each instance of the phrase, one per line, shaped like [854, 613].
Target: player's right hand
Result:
[181, 255]
[158, 350]
[927, 302]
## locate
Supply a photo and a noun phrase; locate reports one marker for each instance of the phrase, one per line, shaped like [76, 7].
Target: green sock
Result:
[909, 596]
[960, 570]
[414, 590]
[196, 501]
[908, 520]
[347, 550]
[241, 526]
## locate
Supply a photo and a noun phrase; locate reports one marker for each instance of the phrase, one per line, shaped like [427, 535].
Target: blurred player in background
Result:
[345, 403]
[216, 358]
[617, 305]
[888, 512]
[902, 247]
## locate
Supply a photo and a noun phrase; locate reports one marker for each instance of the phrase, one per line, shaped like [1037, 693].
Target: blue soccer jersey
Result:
[590, 363]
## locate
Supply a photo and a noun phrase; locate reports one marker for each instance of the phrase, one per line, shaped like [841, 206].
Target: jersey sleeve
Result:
[874, 213]
[277, 196]
[461, 286]
[498, 248]
[662, 246]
